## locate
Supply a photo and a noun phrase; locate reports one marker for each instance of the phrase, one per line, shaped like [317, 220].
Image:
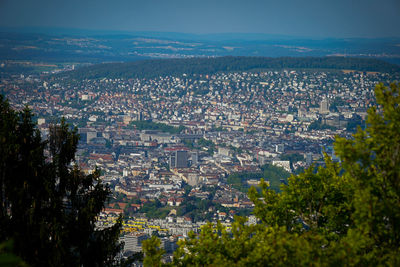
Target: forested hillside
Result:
[164, 67]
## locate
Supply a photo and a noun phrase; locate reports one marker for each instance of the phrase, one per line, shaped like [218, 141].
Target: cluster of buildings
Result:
[231, 123]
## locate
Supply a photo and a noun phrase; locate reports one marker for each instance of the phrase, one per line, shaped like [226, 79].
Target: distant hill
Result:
[176, 67]
[58, 46]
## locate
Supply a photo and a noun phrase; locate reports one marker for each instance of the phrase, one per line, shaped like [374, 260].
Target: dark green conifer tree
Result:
[48, 207]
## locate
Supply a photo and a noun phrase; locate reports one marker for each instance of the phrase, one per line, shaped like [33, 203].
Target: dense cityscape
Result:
[199, 133]
[179, 151]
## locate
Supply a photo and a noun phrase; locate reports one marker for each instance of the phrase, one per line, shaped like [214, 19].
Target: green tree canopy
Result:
[48, 207]
[345, 213]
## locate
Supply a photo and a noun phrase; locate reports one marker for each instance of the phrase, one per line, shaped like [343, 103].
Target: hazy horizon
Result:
[287, 18]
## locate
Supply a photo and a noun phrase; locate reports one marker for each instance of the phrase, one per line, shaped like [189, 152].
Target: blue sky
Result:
[308, 18]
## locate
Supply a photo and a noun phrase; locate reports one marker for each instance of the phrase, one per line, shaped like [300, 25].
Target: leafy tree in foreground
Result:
[8, 258]
[346, 213]
[48, 207]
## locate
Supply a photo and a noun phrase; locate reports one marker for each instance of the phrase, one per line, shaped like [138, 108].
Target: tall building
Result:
[169, 244]
[87, 134]
[172, 161]
[309, 158]
[280, 148]
[195, 158]
[140, 116]
[181, 159]
[133, 241]
[324, 106]
[301, 112]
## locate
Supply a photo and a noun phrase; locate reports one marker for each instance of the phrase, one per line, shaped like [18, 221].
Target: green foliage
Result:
[149, 125]
[343, 214]
[48, 207]
[153, 253]
[292, 157]
[196, 209]
[354, 123]
[207, 144]
[244, 246]
[188, 143]
[176, 67]
[372, 163]
[320, 201]
[154, 209]
[8, 258]
[217, 129]
[318, 125]
[274, 175]
[239, 180]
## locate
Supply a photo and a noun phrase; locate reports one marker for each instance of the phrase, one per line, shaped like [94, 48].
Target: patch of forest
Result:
[176, 67]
